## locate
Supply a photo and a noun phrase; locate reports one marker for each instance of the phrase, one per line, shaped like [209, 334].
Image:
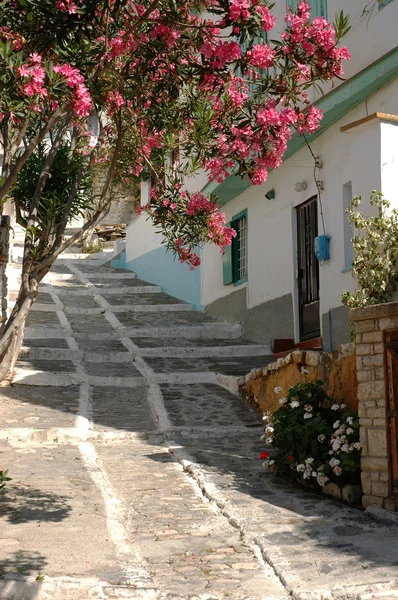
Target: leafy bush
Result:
[4, 478]
[64, 172]
[375, 253]
[317, 439]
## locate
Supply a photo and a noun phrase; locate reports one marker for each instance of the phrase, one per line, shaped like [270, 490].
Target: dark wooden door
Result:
[308, 269]
[392, 408]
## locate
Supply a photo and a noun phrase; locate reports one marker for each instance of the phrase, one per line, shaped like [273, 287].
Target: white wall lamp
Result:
[300, 186]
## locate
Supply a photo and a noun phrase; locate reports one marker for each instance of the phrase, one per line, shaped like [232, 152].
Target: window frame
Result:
[235, 249]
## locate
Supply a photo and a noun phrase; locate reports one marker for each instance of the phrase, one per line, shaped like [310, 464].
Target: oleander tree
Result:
[177, 86]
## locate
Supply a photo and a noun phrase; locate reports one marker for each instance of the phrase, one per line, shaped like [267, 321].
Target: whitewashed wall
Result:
[141, 238]
[271, 223]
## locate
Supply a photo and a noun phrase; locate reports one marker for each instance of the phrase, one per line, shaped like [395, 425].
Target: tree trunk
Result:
[12, 334]
[9, 359]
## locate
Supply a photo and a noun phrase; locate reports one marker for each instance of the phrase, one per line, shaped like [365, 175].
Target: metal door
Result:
[392, 408]
[308, 269]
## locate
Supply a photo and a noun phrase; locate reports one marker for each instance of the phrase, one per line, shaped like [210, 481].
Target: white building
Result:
[271, 281]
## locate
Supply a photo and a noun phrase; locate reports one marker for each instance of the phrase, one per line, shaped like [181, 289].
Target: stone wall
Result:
[371, 325]
[338, 373]
[124, 202]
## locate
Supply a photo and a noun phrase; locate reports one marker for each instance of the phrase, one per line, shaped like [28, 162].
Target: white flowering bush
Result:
[317, 440]
[375, 245]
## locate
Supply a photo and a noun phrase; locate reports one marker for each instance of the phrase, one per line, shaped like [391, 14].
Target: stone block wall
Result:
[338, 373]
[371, 325]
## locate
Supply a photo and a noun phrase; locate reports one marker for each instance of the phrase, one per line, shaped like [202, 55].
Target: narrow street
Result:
[135, 469]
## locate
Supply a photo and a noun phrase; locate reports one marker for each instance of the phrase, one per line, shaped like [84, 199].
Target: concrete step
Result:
[185, 352]
[141, 308]
[110, 275]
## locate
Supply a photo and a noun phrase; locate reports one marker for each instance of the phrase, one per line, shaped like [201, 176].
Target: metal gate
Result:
[392, 408]
[308, 269]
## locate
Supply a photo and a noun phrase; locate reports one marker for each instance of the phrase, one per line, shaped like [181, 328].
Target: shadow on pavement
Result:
[285, 516]
[23, 562]
[22, 504]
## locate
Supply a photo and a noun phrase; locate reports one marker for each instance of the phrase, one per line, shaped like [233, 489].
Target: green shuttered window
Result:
[235, 256]
[383, 3]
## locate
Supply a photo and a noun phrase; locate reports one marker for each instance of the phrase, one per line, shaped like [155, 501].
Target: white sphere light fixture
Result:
[300, 186]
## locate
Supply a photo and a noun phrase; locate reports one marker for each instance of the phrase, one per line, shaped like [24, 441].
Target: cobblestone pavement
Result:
[135, 467]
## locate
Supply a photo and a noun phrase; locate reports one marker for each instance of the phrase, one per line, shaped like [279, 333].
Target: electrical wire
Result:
[317, 182]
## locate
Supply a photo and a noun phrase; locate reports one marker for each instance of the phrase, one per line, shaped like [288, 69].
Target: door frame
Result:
[299, 295]
[391, 377]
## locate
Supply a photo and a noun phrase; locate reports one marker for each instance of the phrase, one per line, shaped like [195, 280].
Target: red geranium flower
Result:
[290, 457]
[264, 455]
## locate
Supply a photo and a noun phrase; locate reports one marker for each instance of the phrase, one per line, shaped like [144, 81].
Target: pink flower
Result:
[312, 120]
[239, 9]
[262, 56]
[66, 6]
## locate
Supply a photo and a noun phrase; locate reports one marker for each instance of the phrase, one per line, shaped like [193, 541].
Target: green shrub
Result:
[4, 478]
[317, 440]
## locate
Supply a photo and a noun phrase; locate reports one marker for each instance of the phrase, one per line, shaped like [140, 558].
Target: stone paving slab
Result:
[206, 404]
[69, 283]
[40, 317]
[113, 369]
[59, 366]
[52, 518]
[86, 267]
[208, 331]
[104, 284]
[113, 345]
[44, 298]
[79, 302]
[147, 342]
[162, 318]
[145, 299]
[89, 324]
[108, 293]
[189, 547]
[38, 407]
[236, 366]
[45, 343]
[321, 548]
[59, 267]
[122, 409]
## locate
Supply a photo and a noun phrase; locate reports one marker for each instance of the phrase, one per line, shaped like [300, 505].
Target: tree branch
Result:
[72, 194]
[11, 178]
[102, 206]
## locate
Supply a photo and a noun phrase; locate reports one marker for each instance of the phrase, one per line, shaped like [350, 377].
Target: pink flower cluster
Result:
[81, 101]
[221, 53]
[218, 168]
[186, 254]
[35, 76]
[261, 56]
[316, 39]
[239, 9]
[267, 19]
[220, 234]
[198, 203]
[67, 6]
[114, 100]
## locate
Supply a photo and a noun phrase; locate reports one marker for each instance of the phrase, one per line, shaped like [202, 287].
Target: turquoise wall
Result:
[119, 262]
[160, 267]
